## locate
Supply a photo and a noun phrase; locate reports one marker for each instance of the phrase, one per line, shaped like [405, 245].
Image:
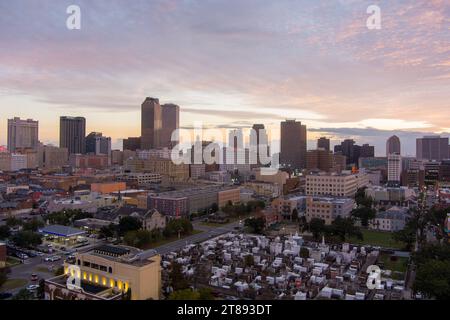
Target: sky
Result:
[230, 63]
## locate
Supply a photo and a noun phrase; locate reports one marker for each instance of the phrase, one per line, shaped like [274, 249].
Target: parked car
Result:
[52, 258]
[33, 287]
[34, 277]
[22, 256]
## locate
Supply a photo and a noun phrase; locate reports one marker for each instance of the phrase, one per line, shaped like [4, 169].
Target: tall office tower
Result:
[394, 167]
[432, 148]
[323, 143]
[349, 150]
[260, 143]
[444, 171]
[367, 151]
[393, 145]
[293, 145]
[170, 123]
[22, 134]
[91, 142]
[132, 143]
[72, 134]
[97, 144]
[151, 124]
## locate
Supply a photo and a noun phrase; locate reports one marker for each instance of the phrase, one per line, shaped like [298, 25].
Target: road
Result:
[38, 266]
[208, 232]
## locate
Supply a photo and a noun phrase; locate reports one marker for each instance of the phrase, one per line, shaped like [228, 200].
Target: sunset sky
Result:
[230, 63]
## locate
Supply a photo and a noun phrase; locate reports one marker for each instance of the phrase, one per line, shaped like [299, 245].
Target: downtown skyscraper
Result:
[72, 134]
[432, 148]
[151, 124]
[170, 123]
[22, 134]
[158, 123]
[293, 145]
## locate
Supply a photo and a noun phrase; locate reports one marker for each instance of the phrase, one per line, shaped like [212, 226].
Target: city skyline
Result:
[316, 62]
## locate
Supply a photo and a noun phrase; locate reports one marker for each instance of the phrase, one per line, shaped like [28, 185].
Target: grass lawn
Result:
[377, 238]
[12, 284]
[11, 262]
[171, 239]
[399, 264]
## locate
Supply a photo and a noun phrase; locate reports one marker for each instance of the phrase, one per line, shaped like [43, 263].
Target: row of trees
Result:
[26, 237]
[340, 229]
[433, 271]
[67, 217]
[419, 223]
[243, 209]
[130, 228]
[181, 289]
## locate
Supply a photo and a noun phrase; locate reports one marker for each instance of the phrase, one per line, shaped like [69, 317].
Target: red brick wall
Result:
[2, 252]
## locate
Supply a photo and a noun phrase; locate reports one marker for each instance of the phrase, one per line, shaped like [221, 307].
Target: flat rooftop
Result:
[61, 231]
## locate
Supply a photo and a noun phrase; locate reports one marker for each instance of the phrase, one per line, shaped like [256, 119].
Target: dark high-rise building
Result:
[353, 151]
[393, 146]
[444, 171]
[293, 145]
[366, 151]
[151, 124]
[97, 144]
[348, 149]
[432, 148]
[132, 143]
[170, 123]
[72, 134]
[91, 141]
[323, 143]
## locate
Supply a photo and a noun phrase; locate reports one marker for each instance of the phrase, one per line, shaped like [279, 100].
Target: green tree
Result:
[433, 271]
[41, 289]
[302, 223]
[256, 225]
[364, 214]
[362, 200]
[249, 260]
[344, 228]
[107, 231]
[127, 224]
[80, 215]
[27, 239]
[178, 226]
[59, 271]
[185, 294]
[317, 228]
[433, 279]
[33, 225]
[13, 222]
[4, 232]
[205, 294]
[214, 208]
[23, 294]
[407, 236]
[139, 239]
[3, 277]
[177, 278]
[304, 253]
